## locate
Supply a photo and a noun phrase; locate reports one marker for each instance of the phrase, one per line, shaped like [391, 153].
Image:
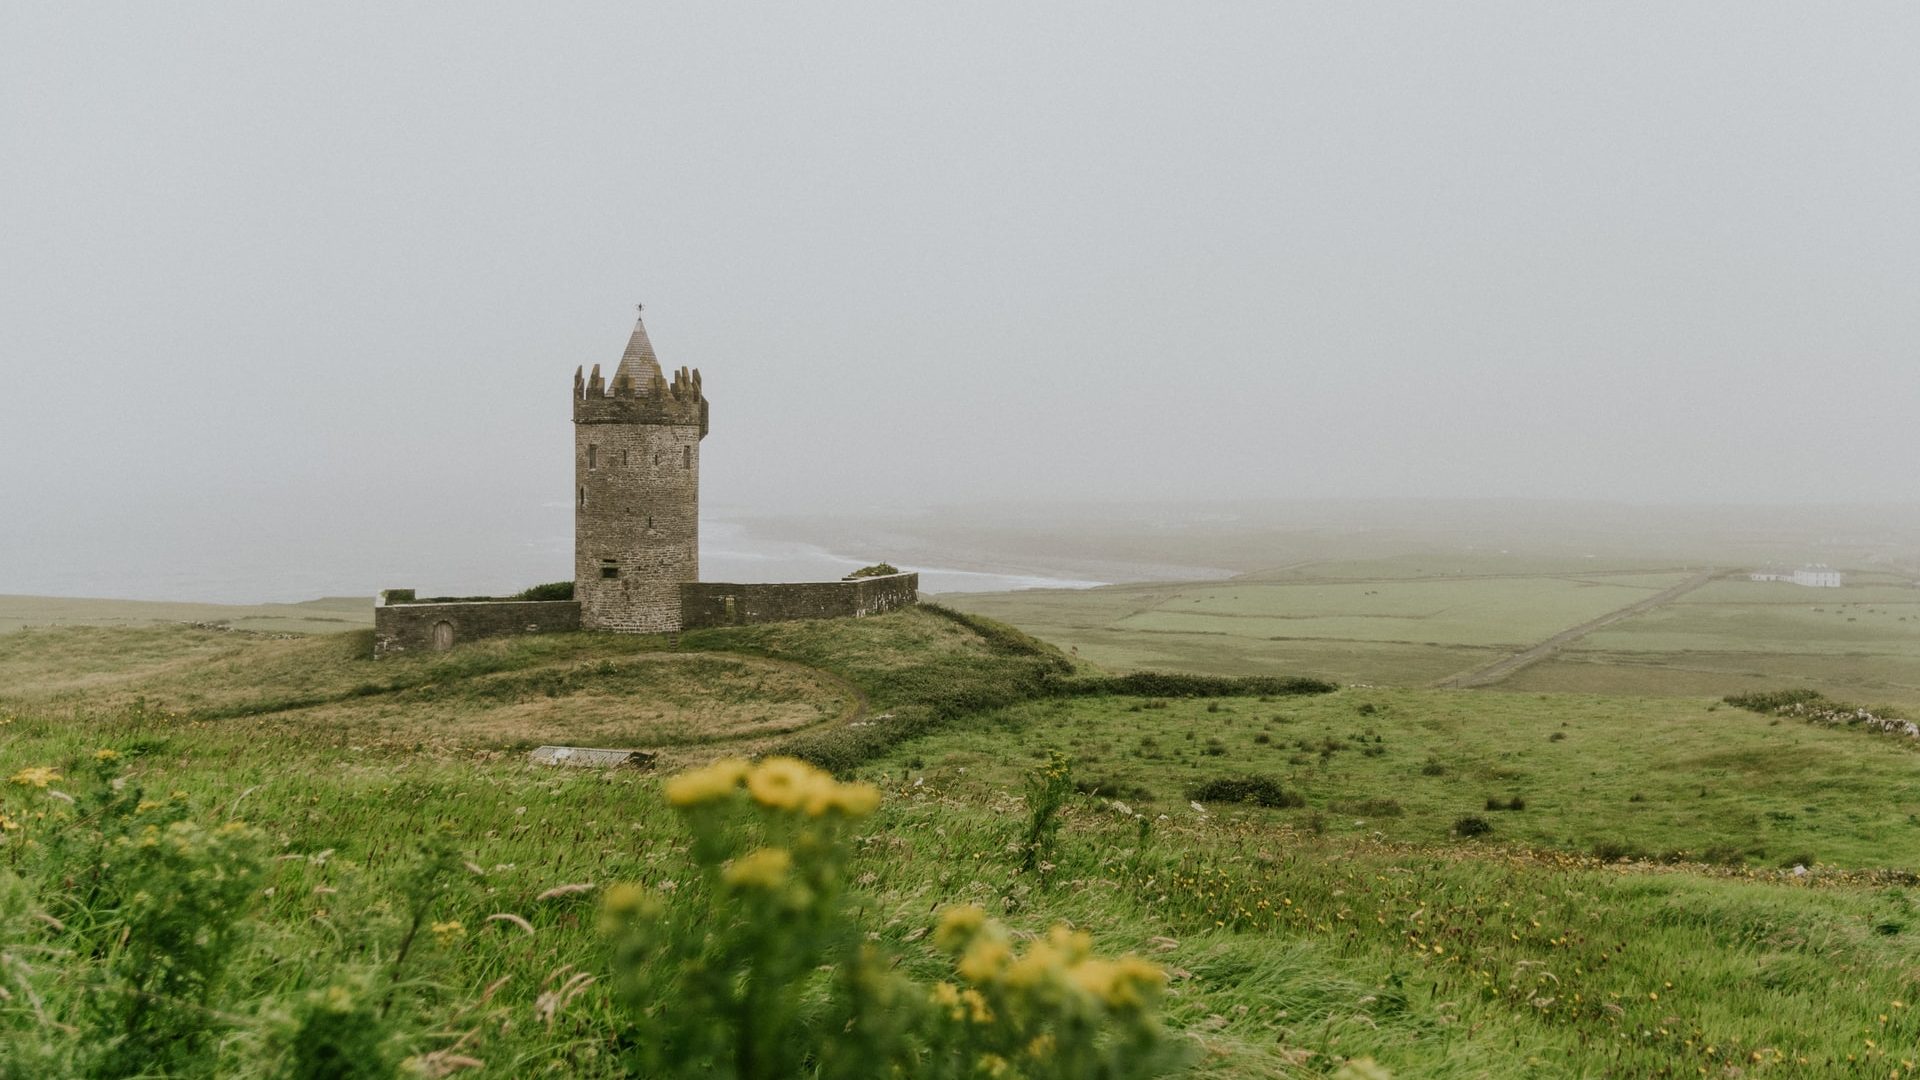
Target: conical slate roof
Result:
[638, 363]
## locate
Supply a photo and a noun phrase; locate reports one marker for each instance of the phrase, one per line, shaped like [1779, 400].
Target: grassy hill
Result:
[1360, 923]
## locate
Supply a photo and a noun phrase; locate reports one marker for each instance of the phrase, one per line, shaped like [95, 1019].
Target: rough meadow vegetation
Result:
[237, 854]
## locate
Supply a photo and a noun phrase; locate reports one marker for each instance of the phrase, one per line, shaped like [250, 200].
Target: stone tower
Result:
[636, 518]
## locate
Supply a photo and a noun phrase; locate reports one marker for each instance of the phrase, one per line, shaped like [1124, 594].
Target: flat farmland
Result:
[1353, 621]
[1497, 612]
[1860, 642]
[1413, 620]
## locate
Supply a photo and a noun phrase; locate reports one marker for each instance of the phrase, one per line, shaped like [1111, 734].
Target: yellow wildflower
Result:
[449, 930]
[1040, 964]
[762, 869]
[624, 902]
[1073, 944]
[1134, 978]
[35, 776]
[710, 784]
[7, 824]
[1041, 1046]
[984, 960]
[852, 800]
[785, 783]
[104, 754]
[1094, 976]
[1362, 1069]
[957, 926]
[977, 1010]
[624, 899]
[947, 996]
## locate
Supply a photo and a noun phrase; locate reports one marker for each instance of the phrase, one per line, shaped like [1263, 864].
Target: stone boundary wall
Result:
[409, 628]
[406, 628]
[713, 603]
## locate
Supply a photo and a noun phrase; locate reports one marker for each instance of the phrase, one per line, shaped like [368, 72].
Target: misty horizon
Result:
[310, 285]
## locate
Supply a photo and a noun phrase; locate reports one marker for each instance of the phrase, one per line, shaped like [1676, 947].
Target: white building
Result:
[1817, 577]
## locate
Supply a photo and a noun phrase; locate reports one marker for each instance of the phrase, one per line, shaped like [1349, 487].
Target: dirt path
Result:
[1500, 669]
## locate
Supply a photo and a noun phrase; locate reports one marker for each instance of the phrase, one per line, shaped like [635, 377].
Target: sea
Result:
[181, 561]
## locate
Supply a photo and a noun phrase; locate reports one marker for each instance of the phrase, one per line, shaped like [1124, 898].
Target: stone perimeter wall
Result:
[404, 628]
[712, 603]
[401, 628]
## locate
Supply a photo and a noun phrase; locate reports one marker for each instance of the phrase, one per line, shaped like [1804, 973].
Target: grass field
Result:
[1412, 620]
[1861, 641]
[312, 617]
[1680, 779]
[1355, 925]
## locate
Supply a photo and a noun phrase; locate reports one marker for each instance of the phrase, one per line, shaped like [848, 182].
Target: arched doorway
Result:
[442, 636]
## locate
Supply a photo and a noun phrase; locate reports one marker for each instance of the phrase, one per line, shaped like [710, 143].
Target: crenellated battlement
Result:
[639, 392]
[597, 401]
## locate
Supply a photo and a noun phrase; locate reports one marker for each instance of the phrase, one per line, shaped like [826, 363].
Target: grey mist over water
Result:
[291, 298]
[438, 558]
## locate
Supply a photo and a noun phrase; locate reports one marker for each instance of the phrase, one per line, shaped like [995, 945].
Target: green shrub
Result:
[1252, 788]
[555, 590]
[1472, 825]
[1773, 701]
[336, 1033]
[876, 570]
[1161, 684]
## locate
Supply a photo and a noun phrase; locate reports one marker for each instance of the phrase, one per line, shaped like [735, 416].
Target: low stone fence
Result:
[404, 628]
[712, 603]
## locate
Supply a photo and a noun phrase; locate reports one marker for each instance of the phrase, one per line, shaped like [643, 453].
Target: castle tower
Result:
[636, 519]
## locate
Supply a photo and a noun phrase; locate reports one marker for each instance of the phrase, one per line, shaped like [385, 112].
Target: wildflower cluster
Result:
[37, 776]
[1048, 789]
[760, 968]
[777, 784]
[1052, 1008]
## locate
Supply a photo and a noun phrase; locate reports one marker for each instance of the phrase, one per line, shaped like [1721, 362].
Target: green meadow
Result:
[1630, 909]
[1414, 620]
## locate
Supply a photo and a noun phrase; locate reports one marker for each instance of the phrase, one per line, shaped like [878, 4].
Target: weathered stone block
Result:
[586, 757]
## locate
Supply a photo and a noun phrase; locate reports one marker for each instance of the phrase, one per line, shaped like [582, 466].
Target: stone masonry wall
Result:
[405, 628]
[709, 603]
[636, 530]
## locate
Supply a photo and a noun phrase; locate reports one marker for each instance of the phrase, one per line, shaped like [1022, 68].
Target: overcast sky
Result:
[271, 262]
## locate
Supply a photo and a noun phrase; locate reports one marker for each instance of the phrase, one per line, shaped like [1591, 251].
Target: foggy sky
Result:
[307, 269]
